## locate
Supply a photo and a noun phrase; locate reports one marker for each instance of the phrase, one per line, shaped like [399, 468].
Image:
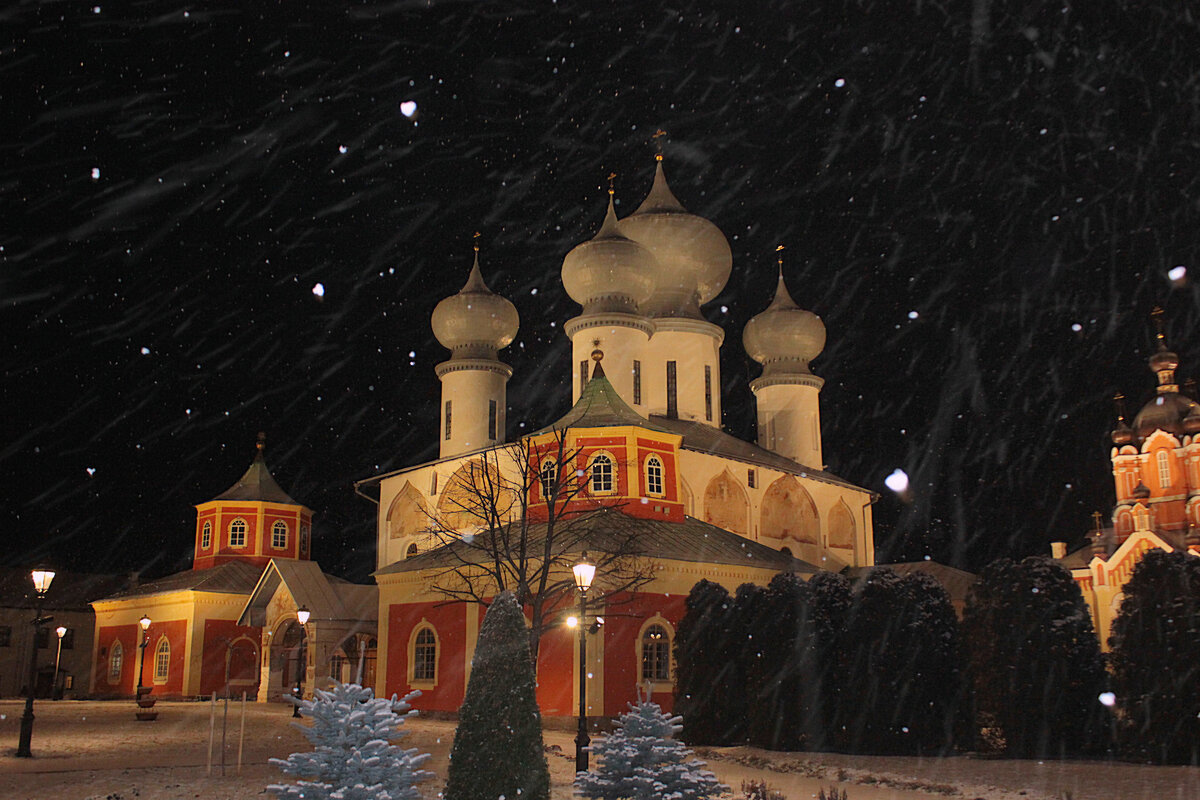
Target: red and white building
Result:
[647, 454]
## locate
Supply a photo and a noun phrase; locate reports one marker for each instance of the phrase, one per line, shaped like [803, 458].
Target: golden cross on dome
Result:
[1157, 314]
[476, 238]
[658, 137]
[612, 176]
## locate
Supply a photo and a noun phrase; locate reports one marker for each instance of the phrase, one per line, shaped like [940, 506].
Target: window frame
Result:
[162, 660]
[1162, 460]
[613, 481]
[654, 682]
[5, 635]
[276, 526]
[116, 661]
[206, 534]
[547, 475]
[424, 682]
[654, 460]
[245, 528]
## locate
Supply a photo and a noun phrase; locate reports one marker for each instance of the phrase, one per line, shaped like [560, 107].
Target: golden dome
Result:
[609, 272]
[784, 337]
[693, 255]
[476, 322]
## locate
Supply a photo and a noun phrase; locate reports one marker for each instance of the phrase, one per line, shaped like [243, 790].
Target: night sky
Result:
[982, 200]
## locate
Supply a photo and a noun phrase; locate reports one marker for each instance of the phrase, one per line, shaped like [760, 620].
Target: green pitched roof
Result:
[257, 485]
[599, 406]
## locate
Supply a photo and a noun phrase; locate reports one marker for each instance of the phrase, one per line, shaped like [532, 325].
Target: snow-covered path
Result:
[97, 750]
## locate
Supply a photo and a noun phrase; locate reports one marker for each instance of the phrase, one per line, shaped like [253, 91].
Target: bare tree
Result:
[517, 518]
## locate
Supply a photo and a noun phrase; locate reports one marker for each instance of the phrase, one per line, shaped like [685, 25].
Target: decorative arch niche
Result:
[841, 526]
[407, 514]
[726, 504]
[788, 512]
[473, 495]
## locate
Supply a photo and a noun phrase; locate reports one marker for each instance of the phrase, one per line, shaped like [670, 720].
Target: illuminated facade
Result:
[643, 440]
[1156, 475]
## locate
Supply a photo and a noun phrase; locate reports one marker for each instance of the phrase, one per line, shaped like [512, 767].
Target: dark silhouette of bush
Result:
[1156, 659]
[1033, 661]
[703, 671]
[497, 747]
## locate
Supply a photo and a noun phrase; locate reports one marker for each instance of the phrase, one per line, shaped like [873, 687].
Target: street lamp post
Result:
[302, 615]
[41, 584]
[584, 571]
[61, 630]
[144, 622]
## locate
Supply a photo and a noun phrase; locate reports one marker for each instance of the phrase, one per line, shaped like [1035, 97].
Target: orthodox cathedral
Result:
[640, 458]
[1156, 473]
[638, 470]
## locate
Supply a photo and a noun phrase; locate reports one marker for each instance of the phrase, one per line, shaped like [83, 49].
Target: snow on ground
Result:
[96, 751]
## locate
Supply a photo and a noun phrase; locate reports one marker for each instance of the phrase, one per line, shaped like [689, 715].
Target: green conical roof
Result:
[599, 406]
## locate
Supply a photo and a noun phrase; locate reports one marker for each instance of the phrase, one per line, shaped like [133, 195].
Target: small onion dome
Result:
[476, 322]
[1140, 492]
[1166, 411]
[1163, 359]
[693, 255]
[1122, 434]
[609, 272]
[784, 337]
[1191, 423]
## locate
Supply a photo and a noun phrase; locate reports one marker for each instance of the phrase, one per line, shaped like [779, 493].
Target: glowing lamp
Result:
[144, 622]
[303, 614]
[42, 579]
[572, 621]
[584, 572]
[61, 630]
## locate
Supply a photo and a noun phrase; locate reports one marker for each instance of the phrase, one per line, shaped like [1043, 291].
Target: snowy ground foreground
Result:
[97, 750]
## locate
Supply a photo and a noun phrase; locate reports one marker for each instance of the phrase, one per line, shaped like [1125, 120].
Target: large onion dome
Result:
[1168, 409]
[609, 272]
[693, 255]
[784, 337]
[476, 322]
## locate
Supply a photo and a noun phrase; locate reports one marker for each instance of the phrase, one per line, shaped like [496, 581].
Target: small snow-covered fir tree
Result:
[641, 761]
[353, 759]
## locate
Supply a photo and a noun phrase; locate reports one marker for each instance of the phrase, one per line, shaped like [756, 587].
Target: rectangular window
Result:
[708, 392]
[751, 478]
[1164, 469]
[447, 420]
[583, 374]
[42, 638]
[672, 389]
[637, 383]
[492, 420]
[433, 483]
[5, 635]
[68, 639]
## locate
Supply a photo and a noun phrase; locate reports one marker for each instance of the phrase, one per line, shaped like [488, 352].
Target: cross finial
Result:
[1157, 315]
[261, 444]
[1119, 399]
[476, 238]
[612, 176]
[1096, 517]
[658, 137]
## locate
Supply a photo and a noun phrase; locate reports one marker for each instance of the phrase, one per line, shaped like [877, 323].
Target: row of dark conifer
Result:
[884, 665]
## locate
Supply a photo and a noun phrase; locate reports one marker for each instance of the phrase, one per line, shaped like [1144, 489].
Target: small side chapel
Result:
[647, 454]
[1156, 474]
[229, 624]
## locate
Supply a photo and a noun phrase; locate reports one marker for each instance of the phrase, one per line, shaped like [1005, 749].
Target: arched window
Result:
[116, 659]
[279, 534]
[237, 533]
[425, 655]
[656, 654]
[305, 531]
[162, 660]
[206, 535]
[548, 475]
[1164, 468]
[412, 550]
[600, 474]
[654, 475]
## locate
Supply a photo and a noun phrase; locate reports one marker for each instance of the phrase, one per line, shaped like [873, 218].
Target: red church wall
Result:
[176, 632]
[622, 670]
[243, 660]
[105, 637]
[293, 534]
[449, 624]
[558, 651]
